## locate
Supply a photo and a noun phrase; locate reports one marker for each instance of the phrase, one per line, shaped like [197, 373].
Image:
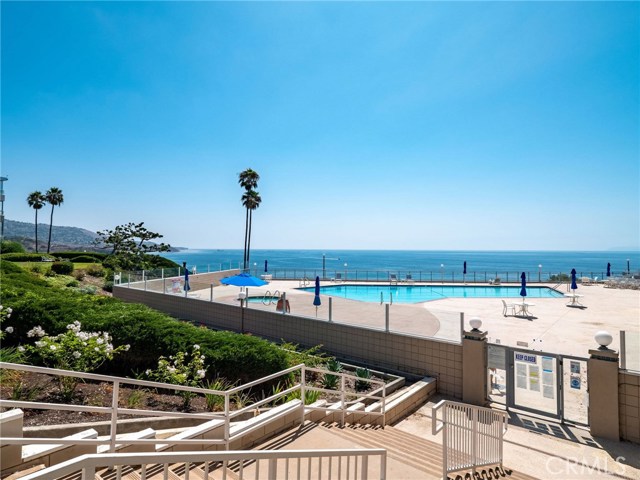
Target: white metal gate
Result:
[472, 436]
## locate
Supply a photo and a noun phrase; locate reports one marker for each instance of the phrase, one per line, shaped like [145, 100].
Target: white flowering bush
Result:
[5, 313]
[181, 369]
[72, 350]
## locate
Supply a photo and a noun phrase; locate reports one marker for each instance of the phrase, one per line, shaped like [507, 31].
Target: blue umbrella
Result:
[608, 269]
[316, 299]
[523, 290]
[464, 269]
[243, 280]
[186, 287]
[574, 285]
[265, 266]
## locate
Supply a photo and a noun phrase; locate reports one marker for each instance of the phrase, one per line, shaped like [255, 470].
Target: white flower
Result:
[36, 332]
[99, 341]
[9, 310]
[21, 348]
[97, 349]
[9, 329]
[53, 347]
[127, 347]
[196, 347]
[40, 344]
[147, 372]
[1, 307]
[201, 373]
[202, 357]
[171, 370]
[76, 354]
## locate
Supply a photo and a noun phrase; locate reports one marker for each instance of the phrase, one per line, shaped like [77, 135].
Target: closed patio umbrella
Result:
[186, 287]
[523, 285]
[316, 300]
[266, 263]
[574, 285]
[464, 271]
[608, 269]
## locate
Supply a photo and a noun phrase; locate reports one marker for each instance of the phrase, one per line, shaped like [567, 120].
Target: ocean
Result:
[433, 263]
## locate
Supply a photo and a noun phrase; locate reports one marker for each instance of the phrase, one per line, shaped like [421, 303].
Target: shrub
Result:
[62, 268]
[181, 369]
[8, 246]
[49, 273]
[329, 381]
[95, 271]
[364, 374]
[73, 284]
[36, 268]
[94, 256]
[79, 275]
[72, 350]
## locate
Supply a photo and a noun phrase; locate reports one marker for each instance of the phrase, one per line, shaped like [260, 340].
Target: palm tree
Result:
[36, 200]
[247, 180]
[251, 200]
[54, 197]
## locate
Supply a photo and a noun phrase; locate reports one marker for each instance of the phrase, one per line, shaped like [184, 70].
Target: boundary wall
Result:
[629, 405]
[391, 351]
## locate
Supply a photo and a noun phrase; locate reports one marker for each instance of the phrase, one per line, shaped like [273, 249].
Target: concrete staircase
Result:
[413, 451]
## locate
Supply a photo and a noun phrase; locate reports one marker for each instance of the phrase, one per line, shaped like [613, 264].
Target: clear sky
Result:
[463, 125]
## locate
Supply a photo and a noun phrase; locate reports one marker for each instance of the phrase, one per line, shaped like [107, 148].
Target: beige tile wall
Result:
[393, 351]
[629, 401]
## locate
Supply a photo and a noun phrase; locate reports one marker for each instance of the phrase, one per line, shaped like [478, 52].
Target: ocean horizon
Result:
[447, 262]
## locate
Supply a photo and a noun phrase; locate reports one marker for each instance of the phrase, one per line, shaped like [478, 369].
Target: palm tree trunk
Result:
[246, 234]
[36, 230]
[249, 237]
[50, 227]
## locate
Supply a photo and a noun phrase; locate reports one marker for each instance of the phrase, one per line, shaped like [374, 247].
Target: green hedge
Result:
[149, 332]
[98, 256]
[25, 257]
[86, 259]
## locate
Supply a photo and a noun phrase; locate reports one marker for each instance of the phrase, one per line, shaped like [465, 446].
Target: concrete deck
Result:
[553, 327]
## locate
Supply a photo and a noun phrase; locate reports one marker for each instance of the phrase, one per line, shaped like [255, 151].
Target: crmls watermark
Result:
[579, 467]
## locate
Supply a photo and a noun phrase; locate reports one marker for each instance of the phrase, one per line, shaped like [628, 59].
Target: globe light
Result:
[475, 323]
[604, 339]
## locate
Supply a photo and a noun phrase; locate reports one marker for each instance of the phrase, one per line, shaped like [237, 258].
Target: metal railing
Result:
[401, 276]
[472, 436]
[630, 350]
[300, 385]
[294, 464]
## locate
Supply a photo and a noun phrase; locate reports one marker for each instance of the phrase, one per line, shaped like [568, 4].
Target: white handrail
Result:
[227, 415]
[472, 436]
[88, 464]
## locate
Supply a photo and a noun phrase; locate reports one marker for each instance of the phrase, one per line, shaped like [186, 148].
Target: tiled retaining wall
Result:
[629, 405]
[393, 351]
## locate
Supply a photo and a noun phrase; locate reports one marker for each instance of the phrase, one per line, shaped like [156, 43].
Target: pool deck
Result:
[553, 327]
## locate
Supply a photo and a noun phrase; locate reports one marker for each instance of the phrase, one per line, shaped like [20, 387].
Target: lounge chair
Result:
[495, 281]
[337, 278]
[408, 278]
[393, 278]
[506, 307]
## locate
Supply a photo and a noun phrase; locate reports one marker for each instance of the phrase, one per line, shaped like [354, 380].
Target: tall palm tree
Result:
[251, 200]
[247, 180]
[54, 197]
[36, 200]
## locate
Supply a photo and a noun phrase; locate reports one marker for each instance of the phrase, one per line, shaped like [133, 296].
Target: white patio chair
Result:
[508, 307]
[393, 278]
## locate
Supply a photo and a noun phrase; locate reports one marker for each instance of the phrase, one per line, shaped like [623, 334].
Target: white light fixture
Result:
[475, 323]
[604, 339]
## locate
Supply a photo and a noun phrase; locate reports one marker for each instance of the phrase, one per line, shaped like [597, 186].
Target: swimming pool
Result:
[425, 293]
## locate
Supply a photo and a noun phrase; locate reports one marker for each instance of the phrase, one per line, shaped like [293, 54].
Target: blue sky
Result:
[501, 125]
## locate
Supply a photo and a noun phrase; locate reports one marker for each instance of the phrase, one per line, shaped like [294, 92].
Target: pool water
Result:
[425, 293]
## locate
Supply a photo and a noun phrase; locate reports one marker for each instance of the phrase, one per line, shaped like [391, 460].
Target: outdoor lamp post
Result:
[442, 272]
[345, 271]
[324, 266]
[255, 269]
[539, 273]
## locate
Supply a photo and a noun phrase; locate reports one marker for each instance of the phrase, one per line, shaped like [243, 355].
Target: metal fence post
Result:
[330, 309]
[164, 285]
[386, 317]
[114, 416]
[623, 350]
